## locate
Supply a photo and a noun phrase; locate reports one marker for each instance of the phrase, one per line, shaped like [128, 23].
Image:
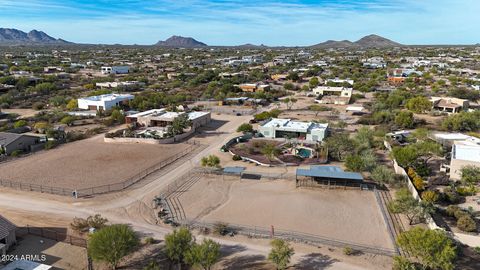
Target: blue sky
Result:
[234, 22]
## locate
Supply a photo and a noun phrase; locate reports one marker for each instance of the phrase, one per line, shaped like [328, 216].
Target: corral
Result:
[88, 163]
[352, 216]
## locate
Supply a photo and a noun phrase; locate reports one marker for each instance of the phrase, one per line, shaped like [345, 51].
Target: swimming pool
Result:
[304, 153]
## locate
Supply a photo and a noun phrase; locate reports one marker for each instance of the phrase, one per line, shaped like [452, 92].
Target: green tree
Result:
[402, 263]
[418, 104]
[118, 117]
[20, 123]
[470, 174]
[404, 119]
[245, 127]
[354, 163]
[313, 82]
[280, 253]
[270, 150]
[210, 161]
[339, 146]
[432, 248]
[67, 120]
[204, 255]
[178, 243]
[110, 244]
[404, 203]
[318, 108]
[179, 124]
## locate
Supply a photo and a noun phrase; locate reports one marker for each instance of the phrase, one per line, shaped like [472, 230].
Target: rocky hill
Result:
[10, 36]
[181, 42]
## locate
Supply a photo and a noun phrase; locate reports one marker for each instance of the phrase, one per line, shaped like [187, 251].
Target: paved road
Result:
[115, 206]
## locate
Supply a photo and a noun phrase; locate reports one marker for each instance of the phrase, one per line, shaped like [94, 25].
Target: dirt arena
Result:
[87, 163]
[347, 215]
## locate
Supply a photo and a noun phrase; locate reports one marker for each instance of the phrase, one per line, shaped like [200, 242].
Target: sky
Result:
[236, 22]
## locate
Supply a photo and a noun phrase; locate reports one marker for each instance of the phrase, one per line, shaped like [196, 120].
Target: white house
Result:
[116, 70]
[103, 102]
[464, 153]
[333, 95]
[286, 128]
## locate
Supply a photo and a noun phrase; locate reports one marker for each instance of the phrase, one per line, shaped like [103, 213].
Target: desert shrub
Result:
[477, 250]
[451, 195]
[348, 250]
[460, 213]
[236, 157]
[16, 153]
[430, 196]
[418, 183]
[50, 145]
[466, 190]
[149, 240]
[38, 106]
[220, 228]
[452, 209]
[411, 172]
[466, 223]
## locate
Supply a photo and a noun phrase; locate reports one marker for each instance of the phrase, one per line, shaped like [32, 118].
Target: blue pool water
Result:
[304, 153]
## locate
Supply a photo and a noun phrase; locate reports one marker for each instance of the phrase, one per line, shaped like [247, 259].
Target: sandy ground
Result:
[58, 254]
[87, 163]
[347, 215]
[23, 113]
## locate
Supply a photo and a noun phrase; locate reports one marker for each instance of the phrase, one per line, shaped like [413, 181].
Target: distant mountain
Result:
[371, 41]
[10, 36]
[181, 42]
[374, 41]
[334, 44]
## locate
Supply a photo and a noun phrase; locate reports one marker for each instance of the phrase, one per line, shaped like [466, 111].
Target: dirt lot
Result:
[348, 215]
[58, 254]
[87, 163]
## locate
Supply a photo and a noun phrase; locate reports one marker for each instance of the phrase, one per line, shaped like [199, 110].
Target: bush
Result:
[50, 145]
[16, 153]
[38, 106]
[149, 240]
[348, 250]
[452, 209]
[451, 195]
[418, 183]
[477, 250]
[430, 196]
[245, 128]
[466, 223]
[236, 157]
[220, 228]
[402, 263]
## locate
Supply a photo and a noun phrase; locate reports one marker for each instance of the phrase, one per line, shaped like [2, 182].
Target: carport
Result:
[327, 176]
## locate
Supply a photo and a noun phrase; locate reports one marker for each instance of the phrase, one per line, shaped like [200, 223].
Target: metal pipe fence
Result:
[102, 188]
[261, 232]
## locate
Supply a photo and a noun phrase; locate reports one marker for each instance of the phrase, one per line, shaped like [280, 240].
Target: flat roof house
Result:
[163, 118]
[7, 235]
[254, 87]
[116, 70]
[333, 95]
[286, 128]
[104, 102]
[464, 153]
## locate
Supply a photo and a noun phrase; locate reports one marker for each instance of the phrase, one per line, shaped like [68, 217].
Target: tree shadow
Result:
[245, 262]
[315, 261]
[228, 250]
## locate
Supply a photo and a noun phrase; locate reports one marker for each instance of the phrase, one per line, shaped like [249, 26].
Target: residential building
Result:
[104, 102]
[339, 81]
[333, 95]
[254, 87]
[163, 118]
[449, 105]
[124, 85]
[464, 153]
[7, 235]
[286, 128]
[116, 70]
[10, 142]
